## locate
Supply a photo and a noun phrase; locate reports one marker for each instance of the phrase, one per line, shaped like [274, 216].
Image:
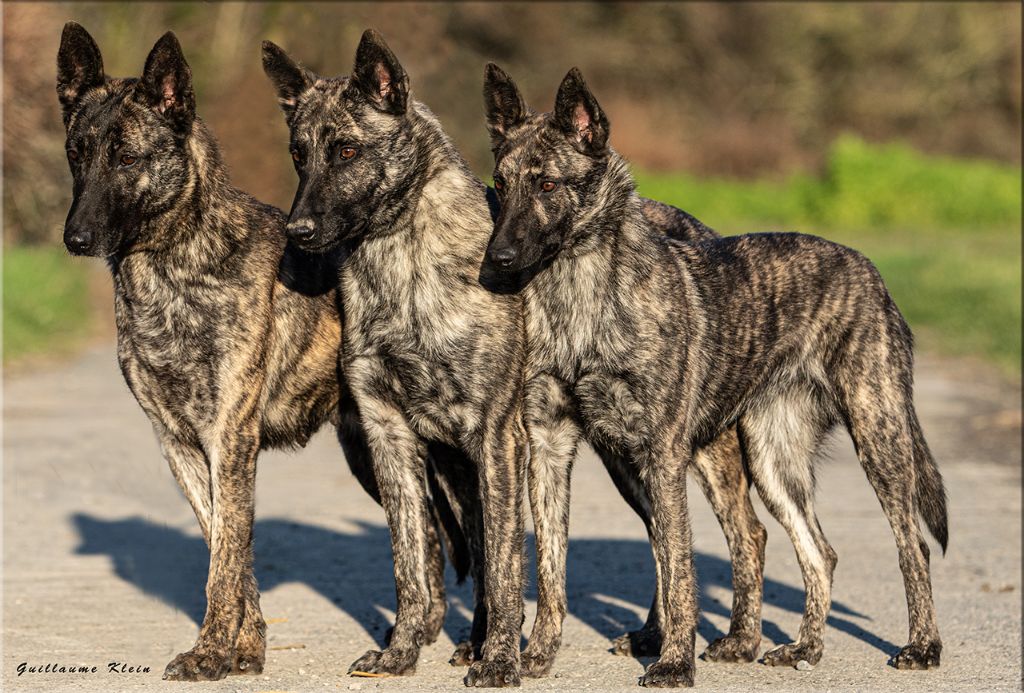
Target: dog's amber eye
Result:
[548, 185]
[296, 157]
[499, 184]
[72, 155]
[347, 152]
[127, 160]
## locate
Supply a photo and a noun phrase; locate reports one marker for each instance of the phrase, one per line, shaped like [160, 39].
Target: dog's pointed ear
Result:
[378, 76]
[504, 104]
[166, 84]
[289, 78]
[79, 67]
[579, 116]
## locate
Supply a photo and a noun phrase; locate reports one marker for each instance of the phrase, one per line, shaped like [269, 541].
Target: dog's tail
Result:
[930, 492]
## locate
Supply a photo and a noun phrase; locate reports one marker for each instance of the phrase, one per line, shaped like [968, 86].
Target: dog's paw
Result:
[390, 662]
[248, 664]
[645, 642]
[733, 648]
[537, 663]
[792, 654]
[918, 656]
[464, 655]
[664, 674]
[493, 674]
[250, 653]
[197, 665]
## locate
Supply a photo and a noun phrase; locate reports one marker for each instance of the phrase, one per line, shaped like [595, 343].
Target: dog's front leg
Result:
[230, 587]
[664, 475]
[191, 469]
[502, 471]
[553, 434]
[399, 464]
[357, 454]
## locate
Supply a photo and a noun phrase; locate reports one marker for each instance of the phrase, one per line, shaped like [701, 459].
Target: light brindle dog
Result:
[227, 338]
[657, 347]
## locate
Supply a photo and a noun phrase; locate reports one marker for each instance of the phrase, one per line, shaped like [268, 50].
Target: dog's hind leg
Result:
[887, 437]
[720, 472]
[780, 439]
[456, 476]
[553, 436]
[190, 468]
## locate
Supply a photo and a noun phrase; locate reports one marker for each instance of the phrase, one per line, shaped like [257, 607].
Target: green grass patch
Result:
[945, 233]
[46, 307]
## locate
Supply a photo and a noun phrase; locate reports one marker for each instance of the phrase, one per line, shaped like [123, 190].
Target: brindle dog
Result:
[657, 347]
[225, 355]
[378, 175]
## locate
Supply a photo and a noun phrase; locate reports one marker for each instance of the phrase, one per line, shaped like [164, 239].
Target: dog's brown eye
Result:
[499, 184]
[127, 160]
[347, 152]
[548, 185]
[296, 157]
[72, 155]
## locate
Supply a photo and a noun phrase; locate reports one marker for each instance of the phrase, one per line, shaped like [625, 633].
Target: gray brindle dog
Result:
[227, 339]
[417, 222]
[430, 354]
[659, 346]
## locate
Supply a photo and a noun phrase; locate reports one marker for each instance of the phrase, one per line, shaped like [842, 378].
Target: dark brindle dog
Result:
[225, 357]
[435, 356]
[660, 346]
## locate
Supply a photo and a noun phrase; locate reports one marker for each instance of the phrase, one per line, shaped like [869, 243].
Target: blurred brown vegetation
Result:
[740, 89]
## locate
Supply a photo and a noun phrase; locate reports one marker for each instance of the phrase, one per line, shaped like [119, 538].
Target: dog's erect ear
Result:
[504, 104]
[579, 116]
[290, 79]
[166, 84]
[378, 76]
[79, 67]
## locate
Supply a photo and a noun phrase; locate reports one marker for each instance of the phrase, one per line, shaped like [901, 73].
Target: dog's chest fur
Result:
[597, 327]
[169, 346]
[192, 343]
[420, 331]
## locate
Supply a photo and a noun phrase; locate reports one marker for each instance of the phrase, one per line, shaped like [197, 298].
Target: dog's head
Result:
[126, 141]
[547, 170]
[350, 141]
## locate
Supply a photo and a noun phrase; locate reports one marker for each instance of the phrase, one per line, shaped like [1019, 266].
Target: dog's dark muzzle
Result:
[502, 257]
[80, 241]
[301, 231]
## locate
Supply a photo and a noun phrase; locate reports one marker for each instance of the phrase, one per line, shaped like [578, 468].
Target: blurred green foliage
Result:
[46, 307]
[945, 233]
[863, 186]
[751, 100]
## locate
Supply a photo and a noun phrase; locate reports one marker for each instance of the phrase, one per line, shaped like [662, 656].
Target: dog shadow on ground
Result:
[353, 571]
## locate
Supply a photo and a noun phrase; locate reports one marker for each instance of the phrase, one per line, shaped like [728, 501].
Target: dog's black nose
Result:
[503, 256]
[299, 232]
[79, 241]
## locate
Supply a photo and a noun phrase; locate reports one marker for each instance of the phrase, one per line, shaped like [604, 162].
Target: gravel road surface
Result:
[103, 560]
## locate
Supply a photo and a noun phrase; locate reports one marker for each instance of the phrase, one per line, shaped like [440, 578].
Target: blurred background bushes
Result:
[893, 127]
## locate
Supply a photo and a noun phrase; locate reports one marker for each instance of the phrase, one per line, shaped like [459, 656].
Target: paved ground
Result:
[103, 561]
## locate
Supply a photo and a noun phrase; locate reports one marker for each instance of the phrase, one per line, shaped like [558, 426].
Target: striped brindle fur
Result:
[227, 338]
[658, 347]
[436, 357]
